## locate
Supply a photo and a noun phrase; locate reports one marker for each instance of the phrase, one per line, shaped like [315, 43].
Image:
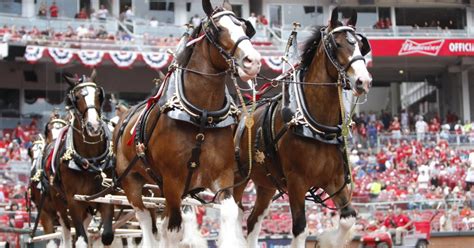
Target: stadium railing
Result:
[60, 24]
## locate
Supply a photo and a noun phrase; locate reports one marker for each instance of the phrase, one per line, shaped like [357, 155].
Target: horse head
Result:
[37, 148]
[346, 48]
[86, 99]
[231, 36]
[54, 126]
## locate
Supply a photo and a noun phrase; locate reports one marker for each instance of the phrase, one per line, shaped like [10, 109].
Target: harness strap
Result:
[236, 45]
[193, 162]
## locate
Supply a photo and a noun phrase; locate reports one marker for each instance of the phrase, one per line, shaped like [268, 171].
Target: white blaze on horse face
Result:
[358, 72]
[55, 133]
[92, 114]
[249, 60]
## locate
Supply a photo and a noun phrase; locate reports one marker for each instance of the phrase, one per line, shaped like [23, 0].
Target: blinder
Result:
[365, 48]
[250, 29]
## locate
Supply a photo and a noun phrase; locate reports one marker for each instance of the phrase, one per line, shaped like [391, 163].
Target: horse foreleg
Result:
[78, 215]
[259, 211]
[133, 186]
[47, 221]
[230, 234]
[296, 193]
[106, 214]
[171, 233]
[343, 234]
[65, 229]
[154, 227]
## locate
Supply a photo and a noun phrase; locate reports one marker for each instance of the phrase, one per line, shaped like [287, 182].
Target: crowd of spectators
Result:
[418, 174]
[370, 130]
[83, 33]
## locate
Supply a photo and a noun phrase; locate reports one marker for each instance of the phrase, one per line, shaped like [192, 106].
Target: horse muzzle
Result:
[94, 129]
[249, 67]
[362, 85]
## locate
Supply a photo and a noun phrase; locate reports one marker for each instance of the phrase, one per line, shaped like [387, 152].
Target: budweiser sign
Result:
[431, 48]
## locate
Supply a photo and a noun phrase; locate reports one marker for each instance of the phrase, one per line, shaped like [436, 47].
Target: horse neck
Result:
[205, 92]
[85, 149]
[322, 101]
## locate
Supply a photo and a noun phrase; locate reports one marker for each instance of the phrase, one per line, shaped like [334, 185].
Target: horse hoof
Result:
[107, 238]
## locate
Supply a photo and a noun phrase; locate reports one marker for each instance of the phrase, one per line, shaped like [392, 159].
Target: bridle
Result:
[211, 31]
[330, 46]
[80, 115]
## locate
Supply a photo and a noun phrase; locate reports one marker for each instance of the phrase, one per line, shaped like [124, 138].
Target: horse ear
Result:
[227, 5]
[334, 18]
[70, 79]
[353, 19]
[94, 75]
[207, 7]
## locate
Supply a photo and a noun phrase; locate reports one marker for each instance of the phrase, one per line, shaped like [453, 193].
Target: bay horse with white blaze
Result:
[39, 184]
[184, 141]
[82, 158]
[298, 139]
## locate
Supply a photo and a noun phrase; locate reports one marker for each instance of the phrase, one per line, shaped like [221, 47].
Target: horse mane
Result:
[310, 47]
[184, 56]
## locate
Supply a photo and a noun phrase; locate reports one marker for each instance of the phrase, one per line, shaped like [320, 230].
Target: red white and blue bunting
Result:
[61, 56]
[274, 63]
[126, 59]
[123, 59]
[34, 53]
[90, 58]
[156, 60]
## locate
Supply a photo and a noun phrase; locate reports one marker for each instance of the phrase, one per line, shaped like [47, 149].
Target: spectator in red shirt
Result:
[19, 133]
[263, 20]
[82, 14]
[434, 126]
[398, 223]
[53, 10]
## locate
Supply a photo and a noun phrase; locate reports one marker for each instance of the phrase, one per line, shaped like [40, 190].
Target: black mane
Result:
[310, 47]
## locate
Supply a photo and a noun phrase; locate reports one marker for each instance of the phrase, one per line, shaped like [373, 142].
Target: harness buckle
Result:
[140, 149]
[200, 137]
[210, 119]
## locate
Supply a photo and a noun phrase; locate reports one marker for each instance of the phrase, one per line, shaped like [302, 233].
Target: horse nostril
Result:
[247, 62]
